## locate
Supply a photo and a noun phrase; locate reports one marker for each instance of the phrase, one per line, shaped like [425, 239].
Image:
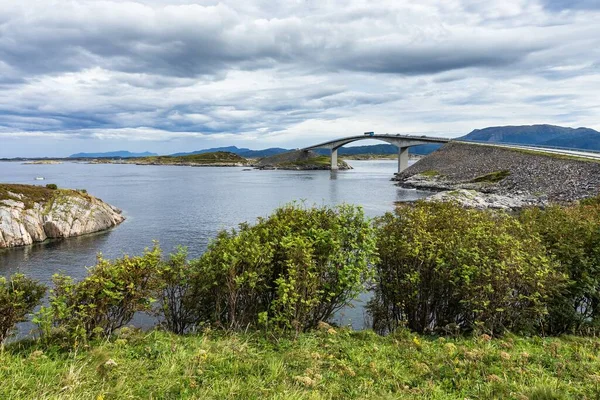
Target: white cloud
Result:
[169, 73]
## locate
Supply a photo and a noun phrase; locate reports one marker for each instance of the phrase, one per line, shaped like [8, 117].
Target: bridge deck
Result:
[386, 138]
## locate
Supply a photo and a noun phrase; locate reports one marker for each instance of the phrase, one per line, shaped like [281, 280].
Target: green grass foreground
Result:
[330, 364]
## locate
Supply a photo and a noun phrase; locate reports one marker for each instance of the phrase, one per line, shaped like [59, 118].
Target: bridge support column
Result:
[334, 162]
[402, 158]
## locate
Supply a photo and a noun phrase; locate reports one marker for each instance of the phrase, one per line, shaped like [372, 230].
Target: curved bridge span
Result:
[403, 142]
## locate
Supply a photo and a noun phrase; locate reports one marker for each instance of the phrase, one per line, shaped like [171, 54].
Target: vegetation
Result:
[430, 173]
[299, 159]
[572, 236]
[219, 157]
[19, 295]
[328, 364]
[248, 318]
[492, 177]
[180, 293]
[368, 156]
[313, 162]
[32, 194]
[444, 268]
[288, 272]
[104, 301]
[28, 194]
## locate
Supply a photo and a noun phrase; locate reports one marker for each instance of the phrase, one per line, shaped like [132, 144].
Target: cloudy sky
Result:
[176, 75]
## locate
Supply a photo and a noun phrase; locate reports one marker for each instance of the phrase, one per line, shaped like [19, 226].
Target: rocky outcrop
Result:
[479, 200]
[28, 216]
[299, 160]
[488, 176]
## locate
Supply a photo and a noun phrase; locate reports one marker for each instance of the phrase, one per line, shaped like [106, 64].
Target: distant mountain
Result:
[113, 154]
[229, 149]
[243, 152]
[542, 135]
[545, 135]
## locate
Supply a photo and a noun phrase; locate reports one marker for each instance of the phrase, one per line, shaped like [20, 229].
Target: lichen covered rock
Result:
[31, 214]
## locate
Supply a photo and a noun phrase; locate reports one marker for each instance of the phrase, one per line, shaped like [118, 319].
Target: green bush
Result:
[105, 300]
[572, 237]
[51, 186]
[19, 295]
[444, 267]
[289, 271]
[179, 296]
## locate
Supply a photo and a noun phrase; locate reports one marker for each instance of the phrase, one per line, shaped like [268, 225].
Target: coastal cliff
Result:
[495, 177]
[31, 214]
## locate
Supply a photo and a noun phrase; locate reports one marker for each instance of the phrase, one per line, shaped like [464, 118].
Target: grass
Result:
[322, 161]
[319, 365]
[492, 177]
[430, 173]
[316, 162]
[369, 156]
[31, 194]
[219, 157]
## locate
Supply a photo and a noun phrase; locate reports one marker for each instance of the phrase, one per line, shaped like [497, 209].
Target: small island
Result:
[214, 159]
[43, 162]
[299, 160]
[31, 214]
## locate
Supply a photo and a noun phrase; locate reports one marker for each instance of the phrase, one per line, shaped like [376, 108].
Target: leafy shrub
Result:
[51, 186]
[289, 271]
[572, 237]
[105, 300]
[19, 295]
[445, 267]
[179, 295]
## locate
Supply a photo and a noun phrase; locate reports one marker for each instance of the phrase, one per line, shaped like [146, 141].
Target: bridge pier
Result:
[402, 158]
[334, 162]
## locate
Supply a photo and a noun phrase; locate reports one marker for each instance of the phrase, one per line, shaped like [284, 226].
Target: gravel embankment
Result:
[546, 177]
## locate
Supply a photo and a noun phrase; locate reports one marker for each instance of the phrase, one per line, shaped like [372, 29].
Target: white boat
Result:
[39, 178]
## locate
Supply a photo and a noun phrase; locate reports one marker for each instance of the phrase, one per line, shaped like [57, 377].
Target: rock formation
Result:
[31, 214]
[299, 160]
[494, 177]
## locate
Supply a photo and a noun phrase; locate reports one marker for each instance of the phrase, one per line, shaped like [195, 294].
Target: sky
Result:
[174, 75]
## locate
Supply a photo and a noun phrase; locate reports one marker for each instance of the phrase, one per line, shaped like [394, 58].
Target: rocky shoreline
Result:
[31, 214]
[494, 177]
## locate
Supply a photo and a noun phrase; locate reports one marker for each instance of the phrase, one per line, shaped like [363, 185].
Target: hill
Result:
[243, 152]
[218, 158]
[541, 135]
[299, 160]
[113, 154]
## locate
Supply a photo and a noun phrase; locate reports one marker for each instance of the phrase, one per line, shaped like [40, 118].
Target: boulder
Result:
[61, 214]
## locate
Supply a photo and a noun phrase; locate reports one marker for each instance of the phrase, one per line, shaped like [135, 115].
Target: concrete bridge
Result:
[402, 142]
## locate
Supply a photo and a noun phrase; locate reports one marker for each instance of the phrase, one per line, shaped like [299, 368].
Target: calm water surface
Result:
[188, 206]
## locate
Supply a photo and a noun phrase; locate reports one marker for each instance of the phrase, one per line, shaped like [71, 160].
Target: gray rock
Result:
[530, 179]
[68, 215]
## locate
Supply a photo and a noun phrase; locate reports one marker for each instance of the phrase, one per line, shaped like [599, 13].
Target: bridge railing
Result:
[537, 146]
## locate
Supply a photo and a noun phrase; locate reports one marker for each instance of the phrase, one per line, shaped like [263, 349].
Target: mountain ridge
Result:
[539, 134]
[109, 154]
